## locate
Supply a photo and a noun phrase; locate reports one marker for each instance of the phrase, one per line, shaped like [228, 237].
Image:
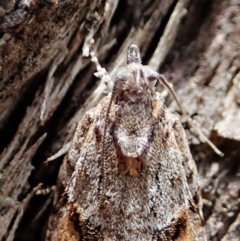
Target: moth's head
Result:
[137, 81]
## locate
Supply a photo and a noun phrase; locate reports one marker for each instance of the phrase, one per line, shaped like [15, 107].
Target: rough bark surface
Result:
[46, 85]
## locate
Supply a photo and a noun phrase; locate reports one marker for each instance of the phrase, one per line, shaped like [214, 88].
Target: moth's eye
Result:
[120, 77]
[151, 76]
[152, 80]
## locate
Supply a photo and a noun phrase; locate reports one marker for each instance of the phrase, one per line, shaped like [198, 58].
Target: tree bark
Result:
[47, 84]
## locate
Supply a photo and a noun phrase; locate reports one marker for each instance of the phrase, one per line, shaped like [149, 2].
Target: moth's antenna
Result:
[164, 82]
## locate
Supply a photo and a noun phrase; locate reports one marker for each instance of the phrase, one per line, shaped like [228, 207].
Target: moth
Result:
[129, 173]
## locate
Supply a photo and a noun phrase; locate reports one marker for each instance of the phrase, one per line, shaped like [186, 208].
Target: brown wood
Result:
[46, 85]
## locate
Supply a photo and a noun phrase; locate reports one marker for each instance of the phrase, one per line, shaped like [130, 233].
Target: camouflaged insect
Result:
[129, 174]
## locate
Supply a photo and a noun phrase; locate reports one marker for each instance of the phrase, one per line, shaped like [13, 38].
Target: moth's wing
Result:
[59, 226]
[195, 212]
[168, 183]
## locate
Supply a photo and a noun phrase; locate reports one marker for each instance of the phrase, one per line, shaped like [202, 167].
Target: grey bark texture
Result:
[47, 84]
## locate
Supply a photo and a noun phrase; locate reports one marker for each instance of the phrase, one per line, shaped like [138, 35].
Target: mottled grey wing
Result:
[62, 224]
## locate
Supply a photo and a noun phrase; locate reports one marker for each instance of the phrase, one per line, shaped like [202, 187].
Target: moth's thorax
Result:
[133, 126]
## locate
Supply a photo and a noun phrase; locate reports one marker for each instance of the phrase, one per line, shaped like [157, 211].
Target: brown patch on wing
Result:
[133, 167]
[190, 176]
[129, 165]
[178, 230]
[98, 135]
[74, 226]
[157, 109]
[176, 180]
[65, 230]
